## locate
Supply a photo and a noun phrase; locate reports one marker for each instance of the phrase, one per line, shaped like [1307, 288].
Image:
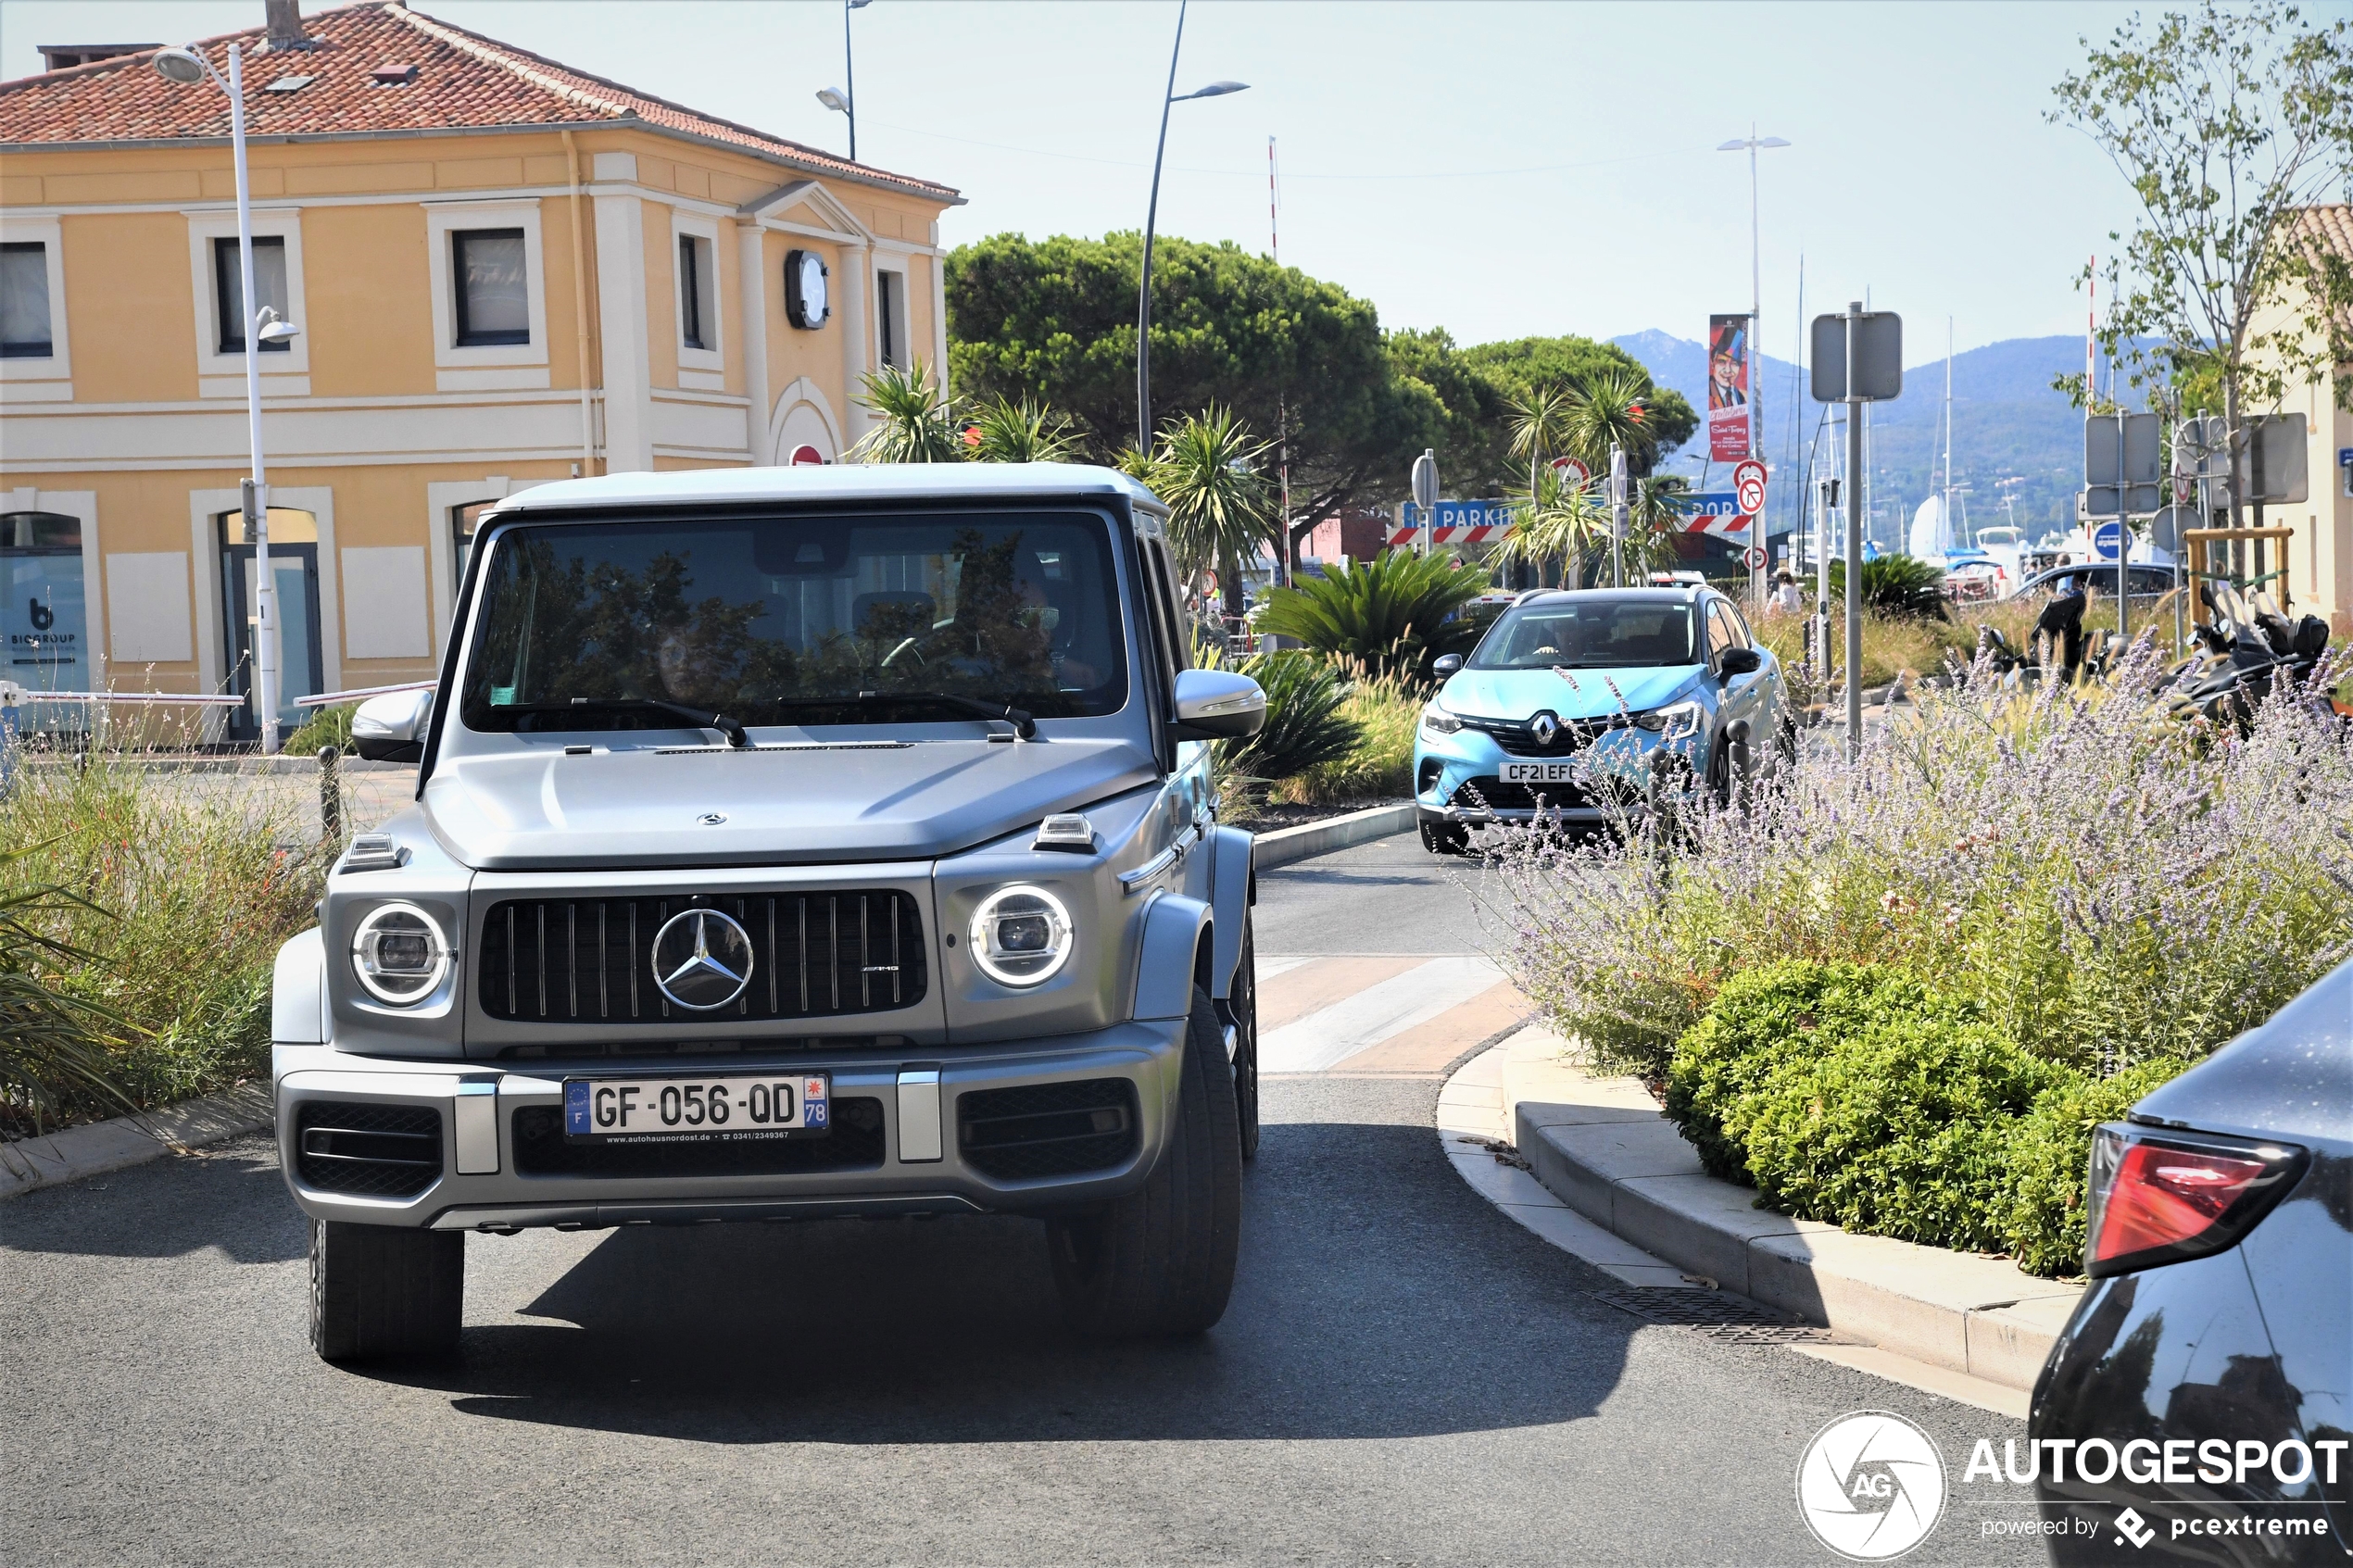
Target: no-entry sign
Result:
[1748, 486]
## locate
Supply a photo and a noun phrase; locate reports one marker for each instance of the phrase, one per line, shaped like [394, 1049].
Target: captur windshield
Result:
[1589, 634]
[799, 621]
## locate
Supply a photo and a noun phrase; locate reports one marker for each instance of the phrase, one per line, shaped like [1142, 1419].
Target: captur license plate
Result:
[1540, 772]
[733, 1110]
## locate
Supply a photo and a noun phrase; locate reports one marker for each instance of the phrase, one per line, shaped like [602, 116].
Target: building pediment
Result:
[807, 201]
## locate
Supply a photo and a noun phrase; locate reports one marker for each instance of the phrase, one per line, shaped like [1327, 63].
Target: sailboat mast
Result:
[1950, 537]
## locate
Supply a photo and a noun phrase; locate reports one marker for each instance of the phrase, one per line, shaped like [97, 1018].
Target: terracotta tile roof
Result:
[2332, 226]
[463, 81]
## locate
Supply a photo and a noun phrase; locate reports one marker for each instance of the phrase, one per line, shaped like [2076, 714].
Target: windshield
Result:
[799, 621]
[1589, 635]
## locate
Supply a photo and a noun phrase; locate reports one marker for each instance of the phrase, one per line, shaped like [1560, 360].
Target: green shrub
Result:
[1305, 726]
[1900, 586]
[2047, 1156]
[1384, 712]
[1387, 615]
[327, 726]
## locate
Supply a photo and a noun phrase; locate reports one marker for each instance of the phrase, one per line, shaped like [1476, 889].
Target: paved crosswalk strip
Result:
[1385, 1013]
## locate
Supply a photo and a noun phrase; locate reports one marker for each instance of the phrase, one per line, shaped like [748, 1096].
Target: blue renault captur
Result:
[1571, 690]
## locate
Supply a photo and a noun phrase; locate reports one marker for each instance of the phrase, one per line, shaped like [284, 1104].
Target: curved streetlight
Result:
[1151, 217]
[185, 67]
[839, 99]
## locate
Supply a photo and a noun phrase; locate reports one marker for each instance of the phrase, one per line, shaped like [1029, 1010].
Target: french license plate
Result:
[1538, 773]
[734, 1110]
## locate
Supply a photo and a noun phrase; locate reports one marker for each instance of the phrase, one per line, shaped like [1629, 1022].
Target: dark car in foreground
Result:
[2199, 1406]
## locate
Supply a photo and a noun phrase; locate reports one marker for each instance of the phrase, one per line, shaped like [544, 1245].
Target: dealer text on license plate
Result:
[1540, 772]
[699, 1109]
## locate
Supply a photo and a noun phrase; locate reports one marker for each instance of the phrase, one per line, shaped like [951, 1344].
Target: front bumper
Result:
[919, 1164]
[1445, 764]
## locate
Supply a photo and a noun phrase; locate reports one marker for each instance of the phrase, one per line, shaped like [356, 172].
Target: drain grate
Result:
[1733, 1319]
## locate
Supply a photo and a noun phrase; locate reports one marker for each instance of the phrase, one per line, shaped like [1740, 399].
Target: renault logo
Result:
[1545, 727]
[702, 959]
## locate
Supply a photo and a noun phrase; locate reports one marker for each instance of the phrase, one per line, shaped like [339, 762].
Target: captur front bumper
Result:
[503, 1165]
[1458, 777]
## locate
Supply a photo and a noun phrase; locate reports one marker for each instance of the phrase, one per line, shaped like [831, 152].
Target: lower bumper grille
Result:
[368, 1150]
[1047, 1129]
[1491, 793]
[855, 1143]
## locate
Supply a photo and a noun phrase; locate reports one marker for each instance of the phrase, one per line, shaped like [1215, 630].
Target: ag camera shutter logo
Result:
[1870, 1485]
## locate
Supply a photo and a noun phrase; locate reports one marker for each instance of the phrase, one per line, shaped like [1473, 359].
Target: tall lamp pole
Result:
[1751, 143]
[843, 100]
[1152, 218]
[187, 68]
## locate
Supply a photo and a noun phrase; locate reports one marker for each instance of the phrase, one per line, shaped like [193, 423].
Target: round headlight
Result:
[1021, 935]
[400, 954]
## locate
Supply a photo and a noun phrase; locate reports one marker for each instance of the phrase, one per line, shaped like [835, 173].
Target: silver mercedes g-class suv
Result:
[790, 844]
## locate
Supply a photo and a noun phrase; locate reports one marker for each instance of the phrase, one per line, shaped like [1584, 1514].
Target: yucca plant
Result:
[1900, 587]
[1305, 727]
[1612, 407]
[1391, 614]
[1221, 509]
[1538, 424]
[1654, 515]
[1007, 432]
[918, 418]
[54, 1045]
[1555, 519]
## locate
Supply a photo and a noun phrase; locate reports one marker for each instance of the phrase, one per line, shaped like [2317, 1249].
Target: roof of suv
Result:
[834, 481]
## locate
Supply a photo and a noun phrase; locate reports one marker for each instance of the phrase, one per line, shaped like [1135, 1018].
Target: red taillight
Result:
[2159, 1200]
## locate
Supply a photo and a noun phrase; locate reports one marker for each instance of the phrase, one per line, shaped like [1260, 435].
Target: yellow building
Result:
[2319, 558]
[505, 271]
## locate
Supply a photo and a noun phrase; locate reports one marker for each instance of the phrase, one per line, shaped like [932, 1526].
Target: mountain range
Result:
[2018, 447]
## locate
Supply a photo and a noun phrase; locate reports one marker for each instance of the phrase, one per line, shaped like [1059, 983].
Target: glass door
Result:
[294, 562]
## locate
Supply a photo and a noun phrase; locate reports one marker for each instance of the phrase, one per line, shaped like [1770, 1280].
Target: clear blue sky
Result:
[1497, 169]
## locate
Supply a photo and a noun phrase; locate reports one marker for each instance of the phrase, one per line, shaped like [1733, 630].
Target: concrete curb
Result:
[100, 1146]
[1602, 1147]
[1286, 845]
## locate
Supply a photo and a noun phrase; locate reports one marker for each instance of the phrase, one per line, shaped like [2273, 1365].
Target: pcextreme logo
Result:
[1870, 1485]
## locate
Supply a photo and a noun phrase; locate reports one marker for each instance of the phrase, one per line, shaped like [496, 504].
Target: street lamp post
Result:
[187, 68]
[1151, 218]
[1751, 143]
[843, 100]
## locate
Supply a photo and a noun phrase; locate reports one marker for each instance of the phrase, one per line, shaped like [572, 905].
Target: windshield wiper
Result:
[702, 718]
[1019, 718]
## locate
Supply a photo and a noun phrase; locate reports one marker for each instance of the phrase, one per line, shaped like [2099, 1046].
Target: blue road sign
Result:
[2106, 539]
[1463, 514]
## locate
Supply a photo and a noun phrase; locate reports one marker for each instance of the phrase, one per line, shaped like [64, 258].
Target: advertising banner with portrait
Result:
[1727, 388]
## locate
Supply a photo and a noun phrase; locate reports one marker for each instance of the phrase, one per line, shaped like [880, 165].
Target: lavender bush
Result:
[2107, 884]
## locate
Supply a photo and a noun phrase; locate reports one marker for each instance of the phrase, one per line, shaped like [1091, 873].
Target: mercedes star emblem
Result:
[1545, 727]
[712, 819]
[702, 959]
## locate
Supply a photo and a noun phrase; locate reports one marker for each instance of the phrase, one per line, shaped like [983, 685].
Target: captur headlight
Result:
[400, 954]
[1438, 721]
[1021, 935]
[1677, 720]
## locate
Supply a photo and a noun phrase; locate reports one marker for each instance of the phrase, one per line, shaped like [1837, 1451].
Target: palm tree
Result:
[1539, 425]
[1221, 511]
[1655, 515]
[1554, 519]
[1612, 408]
[918, 418]
[1007, 432]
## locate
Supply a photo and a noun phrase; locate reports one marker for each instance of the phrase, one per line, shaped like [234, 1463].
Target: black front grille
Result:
[854, 1144]
[1519, 738]
[1047, 1129]
[1491, 794]
[368, 1150]
[590, 960]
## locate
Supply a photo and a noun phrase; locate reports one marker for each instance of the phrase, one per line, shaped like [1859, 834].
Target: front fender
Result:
[1165, 959]
[298, 991]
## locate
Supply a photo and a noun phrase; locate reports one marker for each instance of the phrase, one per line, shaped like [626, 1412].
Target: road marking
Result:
[1304, 985]
[1357, 1016]
[1428, 1046]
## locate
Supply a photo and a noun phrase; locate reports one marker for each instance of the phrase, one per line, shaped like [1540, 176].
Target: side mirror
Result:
[391, 728]
[1447, 663]
[1217, 705]
[1741, 662]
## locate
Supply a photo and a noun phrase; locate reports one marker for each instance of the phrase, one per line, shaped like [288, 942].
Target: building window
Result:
[268, 289]
[24, 301]
[464, 520]
[42, 619]
[891, 317]
[694, 316]
[493, 298]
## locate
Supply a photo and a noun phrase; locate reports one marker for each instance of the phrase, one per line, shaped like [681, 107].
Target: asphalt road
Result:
[1406, 1376]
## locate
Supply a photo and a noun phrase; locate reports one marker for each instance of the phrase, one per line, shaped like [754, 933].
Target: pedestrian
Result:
[1785, 594]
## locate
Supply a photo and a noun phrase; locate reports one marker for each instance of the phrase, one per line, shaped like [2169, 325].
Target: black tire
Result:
[1160, 1261]
[380, 1290]
[1242, 1012]
[1444, 838]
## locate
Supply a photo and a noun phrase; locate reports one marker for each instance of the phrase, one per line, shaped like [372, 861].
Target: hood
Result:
[1572, 694]
[542, 810]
